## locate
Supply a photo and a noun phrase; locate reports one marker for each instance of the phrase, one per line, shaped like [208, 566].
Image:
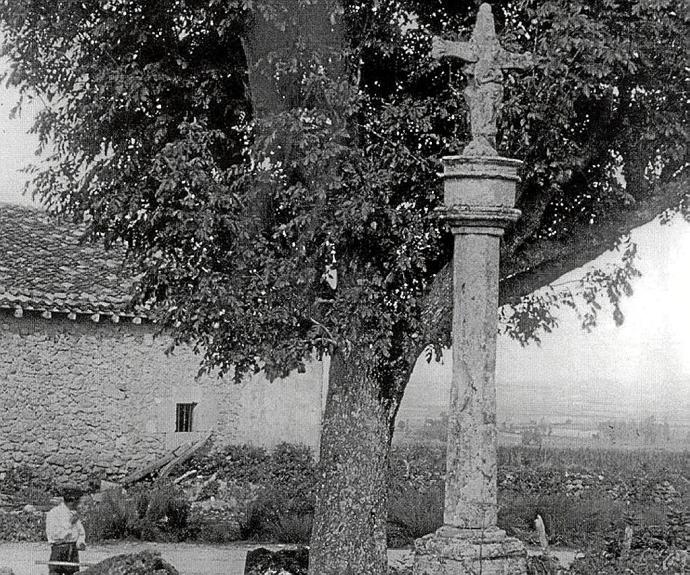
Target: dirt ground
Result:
[189, 559]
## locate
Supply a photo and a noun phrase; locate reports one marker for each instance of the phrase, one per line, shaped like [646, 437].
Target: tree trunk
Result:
[349, 535]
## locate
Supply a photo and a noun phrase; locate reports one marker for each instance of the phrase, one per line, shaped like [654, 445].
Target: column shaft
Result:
[470, 500]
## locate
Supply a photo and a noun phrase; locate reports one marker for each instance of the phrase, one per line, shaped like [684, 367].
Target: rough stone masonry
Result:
[81, 399]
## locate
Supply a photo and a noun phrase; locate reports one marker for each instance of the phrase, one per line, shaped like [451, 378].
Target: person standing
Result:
[65, 533]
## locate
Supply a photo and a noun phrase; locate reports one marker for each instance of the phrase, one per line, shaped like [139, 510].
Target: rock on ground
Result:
[143, 563]
[290, 561]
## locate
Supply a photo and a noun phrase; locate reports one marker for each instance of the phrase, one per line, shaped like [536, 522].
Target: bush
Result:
[543, 565]
[416, 465]
[240, 463]
[216, 531]
[29, 485]
[413, 514]
[292, 528]
[159, 513]
[568, 520]
[639, 562]
[21, 526]
[275, 517]
[163, 513]
[284, 508]
[292, 469]
[114, 517]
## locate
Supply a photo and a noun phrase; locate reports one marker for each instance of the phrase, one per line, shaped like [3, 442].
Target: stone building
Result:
[86, 388]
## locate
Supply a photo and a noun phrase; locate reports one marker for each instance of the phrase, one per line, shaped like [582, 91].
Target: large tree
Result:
[272, 168]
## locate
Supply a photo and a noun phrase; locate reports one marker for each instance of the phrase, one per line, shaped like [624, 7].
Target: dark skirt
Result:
[64, 552]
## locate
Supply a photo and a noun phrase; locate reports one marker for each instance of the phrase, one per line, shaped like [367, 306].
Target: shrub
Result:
[543, 565]
[416, 465]
[567, 520]
[656, 527]
[216, 531]
[159, 513]
[273, 516]
[639, 562]
[163, 513]
[292, 469]
[168, 503]
[114, 517]
[209, 490]
[21, 526]
[292, 528]
[240, 463]
[29, 485]
[413, 514]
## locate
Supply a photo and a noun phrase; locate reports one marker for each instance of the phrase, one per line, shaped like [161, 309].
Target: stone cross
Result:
[485, 62]
[479, 198]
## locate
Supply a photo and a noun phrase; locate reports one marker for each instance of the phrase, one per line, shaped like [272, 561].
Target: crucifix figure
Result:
[485, 62]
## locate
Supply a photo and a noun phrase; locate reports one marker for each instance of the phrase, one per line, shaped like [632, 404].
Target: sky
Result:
[641, 367]
[17, 147]
[646, 360]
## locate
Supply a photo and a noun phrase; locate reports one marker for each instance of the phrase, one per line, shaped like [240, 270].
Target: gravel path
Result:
[189, 559]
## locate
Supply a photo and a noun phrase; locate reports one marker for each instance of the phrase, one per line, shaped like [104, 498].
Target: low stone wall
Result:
[83, 399]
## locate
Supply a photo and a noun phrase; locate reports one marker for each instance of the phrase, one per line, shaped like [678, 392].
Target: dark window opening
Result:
[184, 417]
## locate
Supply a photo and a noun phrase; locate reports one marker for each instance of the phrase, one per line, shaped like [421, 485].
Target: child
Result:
[65, 533]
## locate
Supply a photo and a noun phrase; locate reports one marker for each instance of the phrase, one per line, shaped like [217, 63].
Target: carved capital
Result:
[483, 220]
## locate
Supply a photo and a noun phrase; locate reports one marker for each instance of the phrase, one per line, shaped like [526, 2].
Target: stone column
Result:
[479, 195]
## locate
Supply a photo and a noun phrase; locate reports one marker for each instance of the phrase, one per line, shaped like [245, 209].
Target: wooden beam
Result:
[142, 472]
[167, 462]
[64, 564]
[184, 456]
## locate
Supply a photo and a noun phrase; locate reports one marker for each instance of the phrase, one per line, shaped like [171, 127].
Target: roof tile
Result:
[44, 265]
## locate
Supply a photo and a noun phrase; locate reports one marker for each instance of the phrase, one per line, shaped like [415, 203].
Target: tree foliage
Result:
[151, 124]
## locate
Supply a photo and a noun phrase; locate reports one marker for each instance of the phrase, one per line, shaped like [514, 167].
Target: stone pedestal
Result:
[454, 551]
[479, 195]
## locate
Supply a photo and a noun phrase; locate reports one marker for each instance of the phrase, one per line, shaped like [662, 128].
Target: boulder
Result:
[289, 561]
[143, 563]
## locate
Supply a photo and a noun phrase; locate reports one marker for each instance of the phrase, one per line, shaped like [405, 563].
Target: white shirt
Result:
[62, 526]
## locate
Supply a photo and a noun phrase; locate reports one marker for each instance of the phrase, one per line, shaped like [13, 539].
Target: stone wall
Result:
[88, 398]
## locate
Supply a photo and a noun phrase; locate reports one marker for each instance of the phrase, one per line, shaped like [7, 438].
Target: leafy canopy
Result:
[155, 137]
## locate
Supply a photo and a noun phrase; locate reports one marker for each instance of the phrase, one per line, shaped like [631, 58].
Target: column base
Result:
[455, 551]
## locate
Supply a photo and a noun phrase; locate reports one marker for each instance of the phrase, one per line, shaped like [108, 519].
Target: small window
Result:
[184, 417]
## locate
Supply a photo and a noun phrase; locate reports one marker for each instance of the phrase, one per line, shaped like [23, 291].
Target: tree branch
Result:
[543, 261]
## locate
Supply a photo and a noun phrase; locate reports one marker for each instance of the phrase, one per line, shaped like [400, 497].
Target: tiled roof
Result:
[44, 267]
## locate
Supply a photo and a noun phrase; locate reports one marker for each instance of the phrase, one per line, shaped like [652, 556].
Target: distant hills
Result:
[582, 402]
